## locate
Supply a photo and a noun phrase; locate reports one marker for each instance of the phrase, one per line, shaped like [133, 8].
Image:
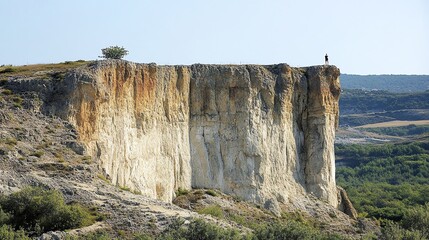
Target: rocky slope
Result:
[263, 133]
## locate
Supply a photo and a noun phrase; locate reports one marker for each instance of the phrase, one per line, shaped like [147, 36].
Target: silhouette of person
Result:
[326, 59]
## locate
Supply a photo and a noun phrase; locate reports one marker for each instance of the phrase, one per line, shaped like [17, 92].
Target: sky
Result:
[360, 36]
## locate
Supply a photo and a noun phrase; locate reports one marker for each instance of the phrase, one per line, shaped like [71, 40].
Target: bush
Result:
[291, 230]
[38, 154]
[7, 92]
[40, 210]
[200, 230]
[213, 210]
[114, 52]
[98, 235]
[8, 70]
[417, 218]
[4, 217]
[7, 233]
[181, 191]
[211, 192]
[392, 231]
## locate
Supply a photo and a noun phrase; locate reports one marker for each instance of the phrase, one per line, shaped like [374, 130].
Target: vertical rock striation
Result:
[264, 133]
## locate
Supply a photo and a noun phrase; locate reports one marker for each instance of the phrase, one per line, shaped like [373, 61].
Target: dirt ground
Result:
[395, 124]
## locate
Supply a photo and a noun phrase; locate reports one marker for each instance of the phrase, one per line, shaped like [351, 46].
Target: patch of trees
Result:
[383, 181]
[400, 131]
[34, 210]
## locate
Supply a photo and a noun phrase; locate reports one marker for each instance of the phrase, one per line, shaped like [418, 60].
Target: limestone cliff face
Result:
[264, 133]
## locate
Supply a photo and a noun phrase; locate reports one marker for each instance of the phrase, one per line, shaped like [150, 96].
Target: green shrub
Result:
[181, 191]
[392, 231]
[4, 217]
[7, 92]
[200, 230]
[37, 209]
[17, 100]
[37, 154]
[102, 177]
[114, 52]
[211, 192]
[98, 236]
[17, 105]
[125, 188]
[143, 236]
[417, 218]
[11, 141]
[291, 230]
[8, 233]
[213, 210]
[8, 70]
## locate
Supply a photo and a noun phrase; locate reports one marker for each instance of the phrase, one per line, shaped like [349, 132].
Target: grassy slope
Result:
[30, 70]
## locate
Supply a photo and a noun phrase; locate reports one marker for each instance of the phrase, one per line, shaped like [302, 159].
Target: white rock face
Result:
[264, 133]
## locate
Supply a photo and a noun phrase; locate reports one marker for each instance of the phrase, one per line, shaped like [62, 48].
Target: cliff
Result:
[263, 133]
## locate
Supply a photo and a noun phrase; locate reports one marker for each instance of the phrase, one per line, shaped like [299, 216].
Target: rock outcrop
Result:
[263, 133]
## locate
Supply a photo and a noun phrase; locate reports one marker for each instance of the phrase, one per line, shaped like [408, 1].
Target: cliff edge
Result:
[263, 133]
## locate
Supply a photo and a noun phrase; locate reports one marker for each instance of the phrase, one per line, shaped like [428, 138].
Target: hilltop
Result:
[391, 83]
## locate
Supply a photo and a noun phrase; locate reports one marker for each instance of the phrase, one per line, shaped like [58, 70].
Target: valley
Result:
[382, 157]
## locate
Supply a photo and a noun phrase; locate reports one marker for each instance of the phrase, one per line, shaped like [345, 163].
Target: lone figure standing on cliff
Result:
[326, 59]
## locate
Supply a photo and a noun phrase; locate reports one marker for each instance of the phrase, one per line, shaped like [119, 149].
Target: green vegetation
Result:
[389, 182]
[181, 191]
[264, 225]
[291, 230]
[414, 225]
[8, 233]
[400, 131]
[200, 230]
[114, 52]
[211, 192]
[124, 188]
[384, 181]
[392, 83]
[29, 70]
[10, 141]
[8, 70]
[102, 177]
[98, 235]
[36, 210]
[213, 210]
[7, 92]
[38, 154]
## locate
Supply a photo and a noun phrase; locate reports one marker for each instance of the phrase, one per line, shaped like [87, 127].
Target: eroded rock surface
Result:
[263, 133]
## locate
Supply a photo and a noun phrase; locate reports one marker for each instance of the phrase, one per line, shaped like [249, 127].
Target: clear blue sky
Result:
[361, 37]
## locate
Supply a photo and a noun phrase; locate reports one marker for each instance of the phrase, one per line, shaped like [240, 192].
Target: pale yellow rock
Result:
[263, 133]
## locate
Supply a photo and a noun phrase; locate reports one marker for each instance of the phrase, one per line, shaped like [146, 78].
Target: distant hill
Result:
[391, 83]
[360, 107]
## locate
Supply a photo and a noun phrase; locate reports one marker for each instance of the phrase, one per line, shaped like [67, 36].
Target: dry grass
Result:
[29, 70]
[395, 124]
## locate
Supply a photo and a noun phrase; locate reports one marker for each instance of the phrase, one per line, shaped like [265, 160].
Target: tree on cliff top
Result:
[114, 52]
